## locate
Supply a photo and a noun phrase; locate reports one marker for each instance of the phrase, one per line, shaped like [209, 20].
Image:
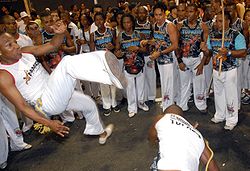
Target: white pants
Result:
[121, 93]
[226, 96]
[10, 121]
[188, 76]
[150, 79]
[27, 122]
[239, 81]
[59, 95]
[176, 80]
[167, 84]
[3, 143]
[135, 90]
[108, 93]
[208, 70]
[246, 73]
[91, 88]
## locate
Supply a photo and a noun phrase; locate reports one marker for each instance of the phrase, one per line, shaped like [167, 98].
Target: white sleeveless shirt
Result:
[29, 75]
[180, 145]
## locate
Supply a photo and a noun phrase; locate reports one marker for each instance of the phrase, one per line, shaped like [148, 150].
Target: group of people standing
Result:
[188, 47]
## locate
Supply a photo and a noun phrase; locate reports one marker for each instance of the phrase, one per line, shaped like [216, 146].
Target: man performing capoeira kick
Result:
[24, 82]
[181, 145]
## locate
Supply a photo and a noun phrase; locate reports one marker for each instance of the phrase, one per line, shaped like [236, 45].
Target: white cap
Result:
[47, 9]
[23, 14]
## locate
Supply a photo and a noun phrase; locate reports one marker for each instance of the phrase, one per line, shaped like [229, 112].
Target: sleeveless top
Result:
[238, 25]
[102, 39]
[29, 75]
[180, 145]
[216, 40]
[133, 62]
[190, 39]
[146, 30]
[162, 39]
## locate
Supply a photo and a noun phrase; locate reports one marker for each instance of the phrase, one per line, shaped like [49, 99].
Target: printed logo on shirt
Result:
[176, 120]
[29, 74]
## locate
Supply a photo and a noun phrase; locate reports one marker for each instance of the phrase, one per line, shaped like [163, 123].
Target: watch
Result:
[229, 53]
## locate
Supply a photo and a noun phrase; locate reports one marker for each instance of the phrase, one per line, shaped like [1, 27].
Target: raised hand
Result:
[59, 27]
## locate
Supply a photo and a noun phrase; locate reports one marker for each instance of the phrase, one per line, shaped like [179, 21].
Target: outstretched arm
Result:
[9, 90]
[205, 156]
[59, 28]
[152, 134]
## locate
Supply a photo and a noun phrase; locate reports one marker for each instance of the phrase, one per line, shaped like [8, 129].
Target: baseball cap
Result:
[23, 14]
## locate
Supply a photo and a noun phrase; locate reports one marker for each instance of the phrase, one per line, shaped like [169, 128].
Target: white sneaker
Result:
[158, 99]
[3, 165]
[216, 121]
[143, 106]
[109, 130]
[226, 127]
[25, 147]
[131, 114]
[115, 72]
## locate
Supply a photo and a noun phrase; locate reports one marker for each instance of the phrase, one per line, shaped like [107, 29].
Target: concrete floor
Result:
[128, 148]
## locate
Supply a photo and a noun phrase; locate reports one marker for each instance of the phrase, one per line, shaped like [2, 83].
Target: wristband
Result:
[229, 53]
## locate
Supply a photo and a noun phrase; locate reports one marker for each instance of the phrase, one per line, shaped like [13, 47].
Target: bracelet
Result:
[229, 53]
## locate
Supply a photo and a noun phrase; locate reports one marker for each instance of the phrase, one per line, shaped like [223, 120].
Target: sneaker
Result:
[116, 75]
[158, 99]
[226, 127]
[108, 130]
[143, 106]
[131, 114]
[216, 121]
[107, 112]
[243, 95]
[25, 147]
[246, 100]
[3, 165]
[117, 109]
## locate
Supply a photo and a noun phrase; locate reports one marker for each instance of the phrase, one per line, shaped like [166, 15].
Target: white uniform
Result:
[108, 92]
[3, 141]
[225, 84]
[149, 67]
[11, 124]
[23, 41]
[57, 90]
[190, 39]
[166, 65]
[180, 145]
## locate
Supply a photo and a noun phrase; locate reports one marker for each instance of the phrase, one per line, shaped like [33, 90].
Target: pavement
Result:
[128, 148]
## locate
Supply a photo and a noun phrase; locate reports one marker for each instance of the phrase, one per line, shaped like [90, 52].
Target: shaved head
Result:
[174, 109]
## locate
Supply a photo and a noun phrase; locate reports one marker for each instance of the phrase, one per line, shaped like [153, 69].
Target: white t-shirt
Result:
[29, 75]
[21, 28]
[74, 32]
[93, 27]
[85, 47]
[24, 40]
[180, 145]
